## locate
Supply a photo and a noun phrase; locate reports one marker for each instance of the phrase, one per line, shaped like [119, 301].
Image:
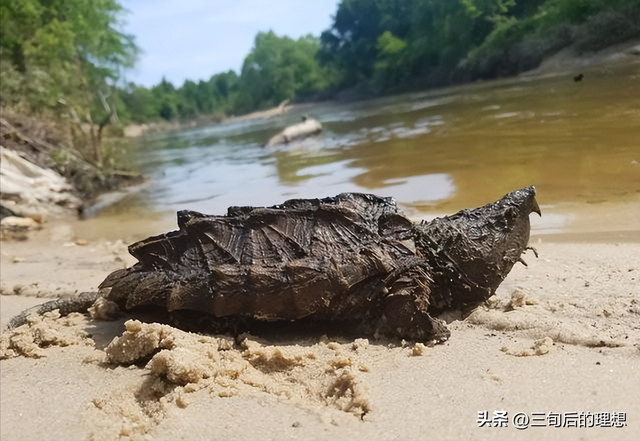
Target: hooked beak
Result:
[535, 208]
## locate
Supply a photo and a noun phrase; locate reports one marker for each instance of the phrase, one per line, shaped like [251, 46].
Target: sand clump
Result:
[105, 310]
[175, 365]
[541, 346]
[42, 331]
[321, 372]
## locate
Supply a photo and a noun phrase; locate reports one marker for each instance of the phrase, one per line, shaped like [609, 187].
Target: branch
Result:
[111, 111]
[37, 144]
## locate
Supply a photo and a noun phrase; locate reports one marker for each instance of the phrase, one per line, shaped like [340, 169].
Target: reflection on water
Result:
[435, 152]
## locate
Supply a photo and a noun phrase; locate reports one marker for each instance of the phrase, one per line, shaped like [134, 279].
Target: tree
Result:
[351, 44]
[166, 99]
[140, 102]
[67, 53]
[224, 89]
[391, 66]
[279, 68]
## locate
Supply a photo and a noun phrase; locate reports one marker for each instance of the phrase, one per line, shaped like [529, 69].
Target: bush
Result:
[607, 28]
[516, 46]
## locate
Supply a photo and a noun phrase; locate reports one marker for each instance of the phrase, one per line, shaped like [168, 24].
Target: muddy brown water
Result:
[435, 152]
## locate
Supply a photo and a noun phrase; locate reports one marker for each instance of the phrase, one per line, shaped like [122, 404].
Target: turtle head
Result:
[472, 251]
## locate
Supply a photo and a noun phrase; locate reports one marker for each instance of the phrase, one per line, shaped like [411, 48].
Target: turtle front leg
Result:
[404, 319]
[405, 307]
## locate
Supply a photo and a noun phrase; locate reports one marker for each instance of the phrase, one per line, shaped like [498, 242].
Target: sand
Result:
[561, 336]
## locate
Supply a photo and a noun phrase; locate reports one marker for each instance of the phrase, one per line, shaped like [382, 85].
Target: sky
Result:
[195, 39]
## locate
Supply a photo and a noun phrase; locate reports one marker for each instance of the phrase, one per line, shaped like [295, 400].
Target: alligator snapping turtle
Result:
[354, 258]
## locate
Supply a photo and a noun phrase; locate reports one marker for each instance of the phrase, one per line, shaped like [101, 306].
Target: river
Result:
[435, 152]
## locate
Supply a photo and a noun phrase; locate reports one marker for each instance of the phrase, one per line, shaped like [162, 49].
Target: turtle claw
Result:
[521, 260]
[532, 249]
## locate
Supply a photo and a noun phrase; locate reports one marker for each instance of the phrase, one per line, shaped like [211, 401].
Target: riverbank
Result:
[572, 59]
[569, 59]
[136, 130]
[43, 178]
[561, 335]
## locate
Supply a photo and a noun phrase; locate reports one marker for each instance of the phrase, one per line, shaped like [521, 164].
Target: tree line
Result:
[386, 44]
[276, 69]
[379, 46]
[68, 56]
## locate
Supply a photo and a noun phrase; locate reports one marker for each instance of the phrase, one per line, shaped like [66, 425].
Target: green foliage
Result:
[351, 45]
[277, 69]
[62, 58]
[435, 33]
[140, 103]
[382, 43]
[443, 35]
[391, 63]
[587, 24]
[65, 57]
[390, 46]
[573, 11]
[61, 50]
[164, 101]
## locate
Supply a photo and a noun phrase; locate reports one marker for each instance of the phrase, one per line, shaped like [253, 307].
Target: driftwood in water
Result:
[308, 127]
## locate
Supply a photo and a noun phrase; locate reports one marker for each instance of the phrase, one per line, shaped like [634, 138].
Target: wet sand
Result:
[561, 335]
